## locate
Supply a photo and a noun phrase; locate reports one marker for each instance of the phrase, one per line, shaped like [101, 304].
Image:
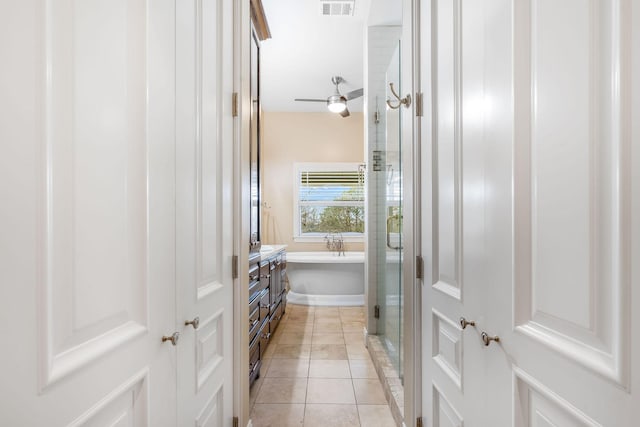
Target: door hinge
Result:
[376, 311]
[419, 422]
[419, 104]
[419, 267]
[234, 104]
[234, 266]
[236, 422]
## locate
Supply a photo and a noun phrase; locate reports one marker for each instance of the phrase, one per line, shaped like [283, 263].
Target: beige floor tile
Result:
[328, 328]
[322, 390]
[327, 318]
[277, 415]
[328, 351]
[294, 338]
[349, 318]
[368, 392]
[268, 354]
[331, 416]
[353, 327]
[300, 316]
[354, 338]
[299, 307]
[352, 313]
[362, 368]
[351, 309]
[254, 390]
[357, 351]
[266, 363]
[297, 326]
[328, 339]
[291, 351]
[282, 390]
[327, 310]
[329, 369]
[375, 416]
[289, 368]
[321, 323]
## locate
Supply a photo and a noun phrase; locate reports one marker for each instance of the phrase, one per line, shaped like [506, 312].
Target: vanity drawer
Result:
[265, 337]
[254, 289]
[275, 319]
[265, 273]
[254, 302]
[254, 323]
[265, 307]
[254, 361]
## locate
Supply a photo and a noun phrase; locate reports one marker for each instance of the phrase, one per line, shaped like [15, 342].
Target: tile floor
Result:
[317, 372]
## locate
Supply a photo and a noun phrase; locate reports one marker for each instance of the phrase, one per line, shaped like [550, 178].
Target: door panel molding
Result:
[444, 414]
[209, 55]
[127, 404]
[447, 190]
[93, 292]
[447, 347]
[533, 401]
[209, 345]
[212, 412]
[572, 139]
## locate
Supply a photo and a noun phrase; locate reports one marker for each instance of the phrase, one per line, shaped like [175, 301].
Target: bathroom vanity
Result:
[267, 301]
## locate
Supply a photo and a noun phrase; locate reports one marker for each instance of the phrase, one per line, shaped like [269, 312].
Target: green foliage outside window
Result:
[331, 202]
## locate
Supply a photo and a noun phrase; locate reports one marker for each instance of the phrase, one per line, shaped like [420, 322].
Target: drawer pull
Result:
[254, 323]
[265, 276]
[266, 336]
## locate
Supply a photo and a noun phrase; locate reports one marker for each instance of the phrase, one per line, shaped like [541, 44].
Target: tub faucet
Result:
[335, 242]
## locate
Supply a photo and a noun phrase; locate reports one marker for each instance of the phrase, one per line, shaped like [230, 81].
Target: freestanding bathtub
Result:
[324, 278]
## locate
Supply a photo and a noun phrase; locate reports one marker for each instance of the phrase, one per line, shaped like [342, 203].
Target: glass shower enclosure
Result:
[385, 194]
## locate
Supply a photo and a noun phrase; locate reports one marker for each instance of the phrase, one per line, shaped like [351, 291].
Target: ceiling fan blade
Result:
[345, 113]
[310, 100]
[354, 94]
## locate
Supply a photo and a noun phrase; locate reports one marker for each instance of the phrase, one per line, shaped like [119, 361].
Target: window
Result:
[328, 198]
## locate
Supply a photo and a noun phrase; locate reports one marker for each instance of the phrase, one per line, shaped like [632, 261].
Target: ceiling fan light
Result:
[337, 103]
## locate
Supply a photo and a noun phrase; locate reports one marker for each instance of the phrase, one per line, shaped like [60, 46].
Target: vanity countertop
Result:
[268, 250]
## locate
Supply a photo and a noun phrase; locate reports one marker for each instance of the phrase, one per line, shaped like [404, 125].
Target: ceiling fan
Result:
[337, 103]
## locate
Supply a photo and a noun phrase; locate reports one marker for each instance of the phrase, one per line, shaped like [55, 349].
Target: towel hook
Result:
[406, 101]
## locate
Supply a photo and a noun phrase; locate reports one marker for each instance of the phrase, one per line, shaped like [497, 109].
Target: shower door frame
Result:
[411, 230]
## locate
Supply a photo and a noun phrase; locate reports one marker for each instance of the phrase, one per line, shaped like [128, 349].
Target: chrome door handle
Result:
[464, 323]
[195, 322]
[390, 220]
[486, 338]
[173, 338]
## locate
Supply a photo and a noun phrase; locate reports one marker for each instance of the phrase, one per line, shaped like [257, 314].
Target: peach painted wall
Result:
[301, 137]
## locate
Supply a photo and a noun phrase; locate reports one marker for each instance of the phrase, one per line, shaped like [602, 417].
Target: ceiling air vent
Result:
[337, 7]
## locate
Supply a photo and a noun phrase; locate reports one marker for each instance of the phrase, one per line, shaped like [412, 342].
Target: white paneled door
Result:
[532, 194]
[114, 187]
[204, 222]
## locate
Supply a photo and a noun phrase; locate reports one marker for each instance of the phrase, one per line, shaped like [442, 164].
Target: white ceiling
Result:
[305, 50]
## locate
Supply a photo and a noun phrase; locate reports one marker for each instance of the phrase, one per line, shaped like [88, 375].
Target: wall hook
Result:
[406, 101]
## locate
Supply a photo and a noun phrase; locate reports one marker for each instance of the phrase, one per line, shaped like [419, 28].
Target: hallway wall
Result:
[301, 137]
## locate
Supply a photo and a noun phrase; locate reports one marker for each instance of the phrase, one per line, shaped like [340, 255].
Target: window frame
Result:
[299, 167]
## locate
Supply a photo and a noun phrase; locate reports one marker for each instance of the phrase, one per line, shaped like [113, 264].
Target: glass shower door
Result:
[389, 194]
